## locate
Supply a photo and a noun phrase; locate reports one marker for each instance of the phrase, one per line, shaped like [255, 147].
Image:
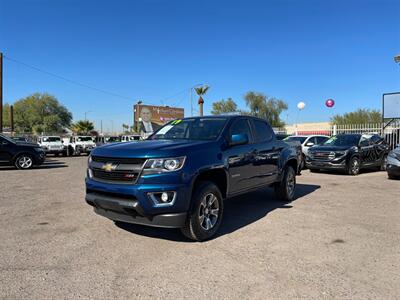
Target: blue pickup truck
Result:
[180, 176]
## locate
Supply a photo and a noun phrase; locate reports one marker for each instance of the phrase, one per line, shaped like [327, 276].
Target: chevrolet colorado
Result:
[180, 176]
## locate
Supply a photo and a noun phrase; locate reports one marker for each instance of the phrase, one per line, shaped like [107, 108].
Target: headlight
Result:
[89, 159]
[341, 153]
[161, 165]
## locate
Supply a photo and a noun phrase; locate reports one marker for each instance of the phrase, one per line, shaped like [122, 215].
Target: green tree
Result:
[82, 127]
[39, 112]
[224, 106]
[360, 116]
[125, 128]
[268, 108]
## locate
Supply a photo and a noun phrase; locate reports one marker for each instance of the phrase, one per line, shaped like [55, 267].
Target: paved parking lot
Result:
[339, 239]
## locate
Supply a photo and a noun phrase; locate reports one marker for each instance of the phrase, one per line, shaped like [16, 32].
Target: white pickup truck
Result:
[52, 145]
[76, 145]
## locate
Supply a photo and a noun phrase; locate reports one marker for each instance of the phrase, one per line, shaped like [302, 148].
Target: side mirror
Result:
[239, 139]
[309, 144]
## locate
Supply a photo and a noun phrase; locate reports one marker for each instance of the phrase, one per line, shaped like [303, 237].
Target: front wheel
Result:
[205, 217]
[24, 162]
[285, 189]
[353, 167]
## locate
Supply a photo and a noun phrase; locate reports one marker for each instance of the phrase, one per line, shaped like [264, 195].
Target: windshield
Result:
[191, 129]
[52, 139]
[113, 139]
[301, 139]
[85, 139]
[343, 140]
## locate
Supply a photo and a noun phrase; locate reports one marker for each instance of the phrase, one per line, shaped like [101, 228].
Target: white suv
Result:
[52, 145]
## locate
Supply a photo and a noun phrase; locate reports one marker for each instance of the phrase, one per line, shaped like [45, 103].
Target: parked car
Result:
[52, 145]
[113, 139]
[76, 145]
[350, 153]
[130, 138]
[179, 177]
[393, 163]
[22, 155]
[307, 141]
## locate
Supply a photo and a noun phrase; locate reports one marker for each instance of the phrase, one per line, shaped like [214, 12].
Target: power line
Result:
[67, 79]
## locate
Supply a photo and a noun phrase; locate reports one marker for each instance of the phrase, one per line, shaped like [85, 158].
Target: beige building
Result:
[309, 128]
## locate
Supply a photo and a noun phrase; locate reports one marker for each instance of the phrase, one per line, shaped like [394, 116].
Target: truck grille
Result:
[319, 155]
[134, 161]
[115, 169]
[118, 176]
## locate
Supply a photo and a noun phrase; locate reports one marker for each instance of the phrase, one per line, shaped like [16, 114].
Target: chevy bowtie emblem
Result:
[108, 167]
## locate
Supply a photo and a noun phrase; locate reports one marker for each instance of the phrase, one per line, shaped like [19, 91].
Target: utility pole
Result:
[12, 118]
[1, 92]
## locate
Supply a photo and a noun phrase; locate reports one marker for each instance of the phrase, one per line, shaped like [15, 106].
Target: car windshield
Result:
[191, 129]
[85, 139]
[301, 139]
[343, 140]
[113, 139]
[51, 139]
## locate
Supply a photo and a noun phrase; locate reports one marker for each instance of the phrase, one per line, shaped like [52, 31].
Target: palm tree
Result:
[82, 127]
[201, 91]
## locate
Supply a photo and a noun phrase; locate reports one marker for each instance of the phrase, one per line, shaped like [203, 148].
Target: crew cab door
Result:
[380, 149]
[240, 158]
[366, 150]
[265, 153]
[5, 150]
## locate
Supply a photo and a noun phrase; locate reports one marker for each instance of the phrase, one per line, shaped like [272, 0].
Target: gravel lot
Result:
[339, 239]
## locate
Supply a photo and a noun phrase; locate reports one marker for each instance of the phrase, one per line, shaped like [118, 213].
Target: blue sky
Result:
[155, 50]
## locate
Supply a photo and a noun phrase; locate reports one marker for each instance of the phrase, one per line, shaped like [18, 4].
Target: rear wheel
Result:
[24, 162]
[285, 189]
[353, 167]
[205, 217]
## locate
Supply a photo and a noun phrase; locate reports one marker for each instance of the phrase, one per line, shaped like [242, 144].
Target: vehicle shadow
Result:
[48, 164]
[239, 212]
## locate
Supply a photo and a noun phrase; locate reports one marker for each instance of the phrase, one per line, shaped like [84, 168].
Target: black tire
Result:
[65, 153]
[383, 163]
[285, 190]
[302, 163]
[391, 176]
[207, 211]
[24, 162]
[353, 166]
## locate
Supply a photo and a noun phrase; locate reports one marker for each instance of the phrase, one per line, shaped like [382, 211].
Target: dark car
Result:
[22, 155]
[179, 177]
[393, 163]
[349, 152]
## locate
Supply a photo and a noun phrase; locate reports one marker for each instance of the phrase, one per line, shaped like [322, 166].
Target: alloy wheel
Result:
[208, 211]
[25, 162]
[290, 183]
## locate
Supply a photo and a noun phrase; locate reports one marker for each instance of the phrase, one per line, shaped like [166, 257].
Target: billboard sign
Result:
[391, 106]
[149, 117]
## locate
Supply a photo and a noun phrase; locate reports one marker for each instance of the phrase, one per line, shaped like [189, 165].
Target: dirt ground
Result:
[339, 239]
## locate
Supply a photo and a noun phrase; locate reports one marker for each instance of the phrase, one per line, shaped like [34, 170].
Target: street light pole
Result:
[86, 112]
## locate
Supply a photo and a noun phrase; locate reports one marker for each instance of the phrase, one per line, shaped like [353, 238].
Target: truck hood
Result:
[150, 148]
[329, 148]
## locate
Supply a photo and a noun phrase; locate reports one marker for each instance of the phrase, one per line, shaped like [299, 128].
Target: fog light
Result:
[162, 198]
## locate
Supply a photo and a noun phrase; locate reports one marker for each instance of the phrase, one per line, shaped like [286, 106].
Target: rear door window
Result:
[263, 132]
